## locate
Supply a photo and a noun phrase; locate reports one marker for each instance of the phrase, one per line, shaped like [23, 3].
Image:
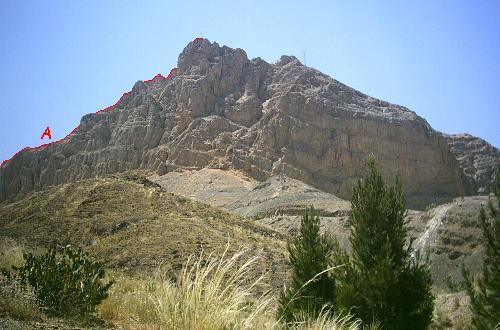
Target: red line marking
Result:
[159, 75]
[197, 39]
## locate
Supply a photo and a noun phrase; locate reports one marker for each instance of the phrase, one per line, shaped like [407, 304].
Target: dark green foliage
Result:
[311, 287]
[485, 296]
[65, 282]
[382, 281]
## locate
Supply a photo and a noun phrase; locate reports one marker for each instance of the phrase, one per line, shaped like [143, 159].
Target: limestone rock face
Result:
[222, 110]
[478, 160]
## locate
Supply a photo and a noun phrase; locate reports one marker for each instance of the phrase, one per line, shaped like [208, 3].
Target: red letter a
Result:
[46, 132]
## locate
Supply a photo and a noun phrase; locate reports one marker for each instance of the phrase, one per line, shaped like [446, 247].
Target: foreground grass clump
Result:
[10, 255]
[18, 301]
[64, 281]
[209, 293]
[326, 320]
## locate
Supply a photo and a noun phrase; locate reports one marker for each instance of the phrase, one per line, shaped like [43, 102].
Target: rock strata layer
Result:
[223, 110]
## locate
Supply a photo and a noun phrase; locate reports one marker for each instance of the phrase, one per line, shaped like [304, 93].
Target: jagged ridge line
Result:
[159, 75]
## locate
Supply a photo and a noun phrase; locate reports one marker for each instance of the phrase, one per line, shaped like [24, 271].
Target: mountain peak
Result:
[286, 59]
[139, 87]
[200, 54]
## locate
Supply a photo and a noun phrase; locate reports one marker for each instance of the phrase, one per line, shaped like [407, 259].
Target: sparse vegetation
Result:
[485, 292]
[210, 293]
[11, 255]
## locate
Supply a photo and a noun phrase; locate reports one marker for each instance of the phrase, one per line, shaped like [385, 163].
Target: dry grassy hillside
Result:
[133, 225]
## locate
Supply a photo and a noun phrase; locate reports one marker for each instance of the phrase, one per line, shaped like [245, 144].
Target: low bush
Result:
[64, 280]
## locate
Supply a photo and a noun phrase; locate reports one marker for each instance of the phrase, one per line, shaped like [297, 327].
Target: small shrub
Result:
[65, 282]
[130, 301]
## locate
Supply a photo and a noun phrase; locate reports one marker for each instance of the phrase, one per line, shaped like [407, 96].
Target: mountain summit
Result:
[222, 110]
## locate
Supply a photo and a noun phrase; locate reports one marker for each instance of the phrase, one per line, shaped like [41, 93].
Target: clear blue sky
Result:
[62, 59]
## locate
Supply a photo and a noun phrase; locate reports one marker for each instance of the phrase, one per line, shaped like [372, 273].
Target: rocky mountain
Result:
[222, 110]
[478, 159]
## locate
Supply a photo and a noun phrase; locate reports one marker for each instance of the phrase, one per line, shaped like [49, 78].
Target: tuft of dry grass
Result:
[212, 294]
[209, 293]
[10, 255]
[18, 301]
[130, 302]
[327, 321]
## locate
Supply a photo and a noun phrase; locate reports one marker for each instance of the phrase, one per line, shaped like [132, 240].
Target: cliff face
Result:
[222, 110]
[478, 160]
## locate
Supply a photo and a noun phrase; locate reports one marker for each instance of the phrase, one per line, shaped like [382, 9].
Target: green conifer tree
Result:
[381, 281]
[485, 296]
[311, 288]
